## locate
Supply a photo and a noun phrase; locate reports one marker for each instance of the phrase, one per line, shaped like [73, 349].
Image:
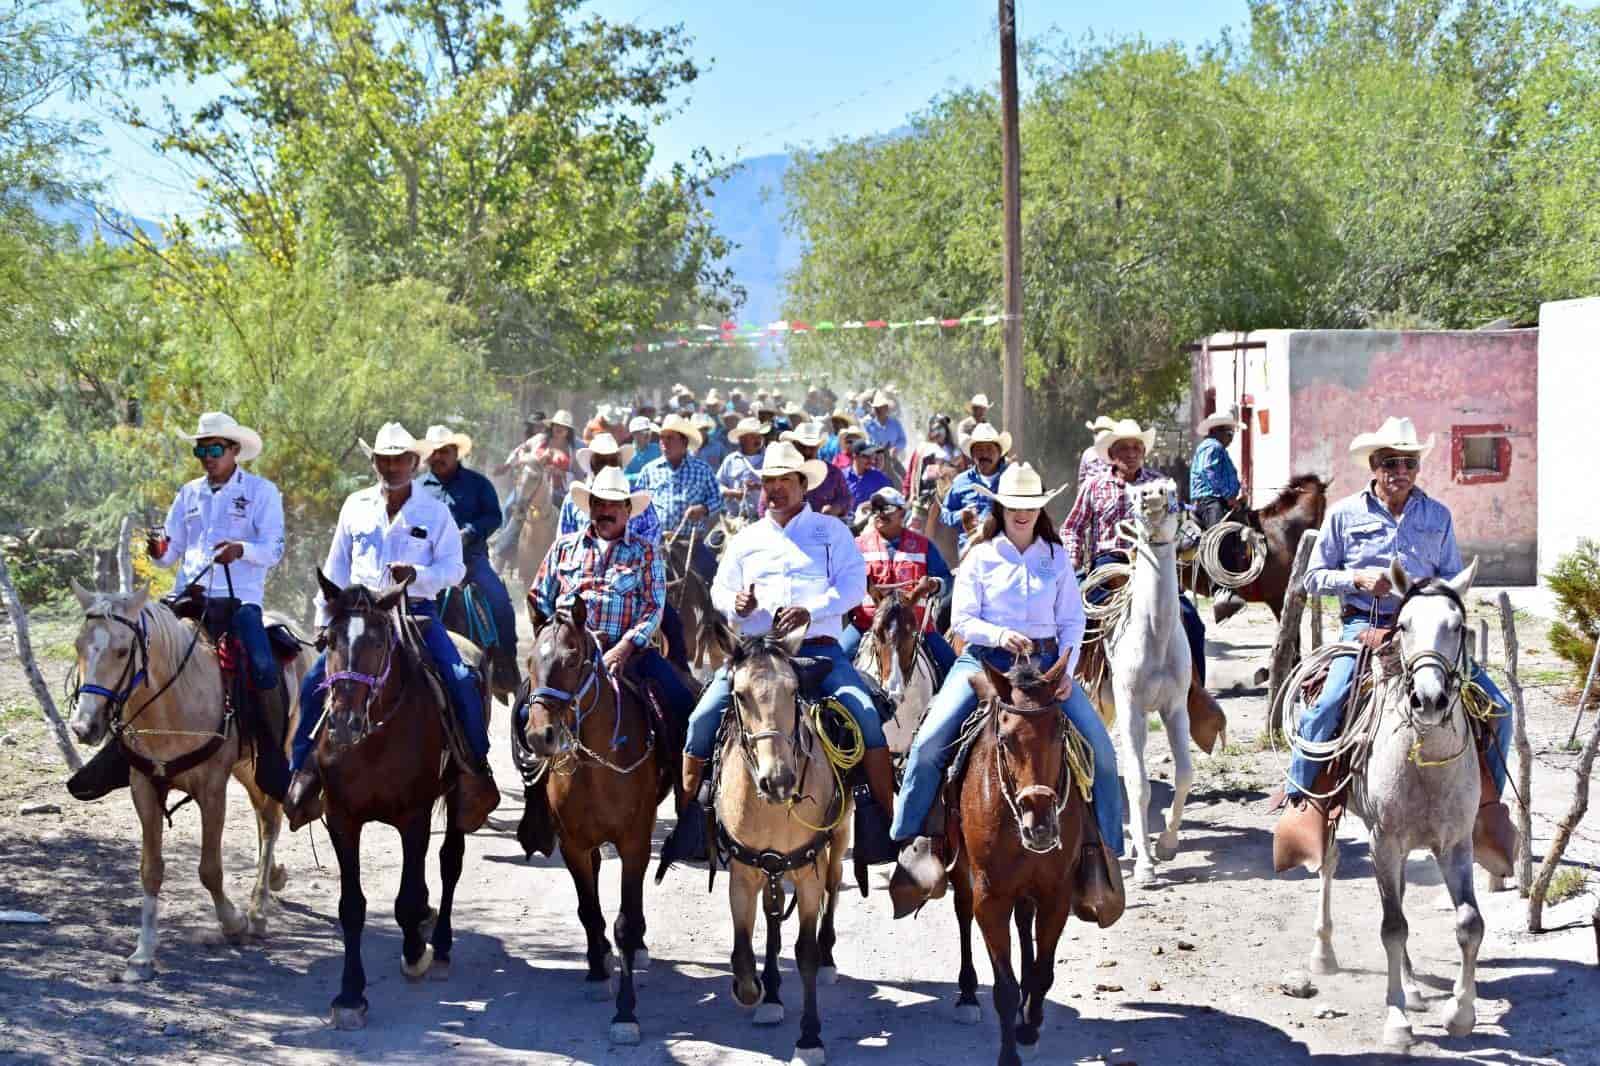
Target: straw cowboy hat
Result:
[882, 399]
[712, 397]
[749, 427]
[794, 410]
[782, 458]
[851, 431]
[563, 417]
[984, 433]
[808, 433]
[682, 426]
[980, 400]
[444, 437]
[1020, 489]
[841, 415]
[603, 444]
[1396, 434]
[219, 424]
[1123, 429]
[609, 484]
[395, 439]
[1221, 418]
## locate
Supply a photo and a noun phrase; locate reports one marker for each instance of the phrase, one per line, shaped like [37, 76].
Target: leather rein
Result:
[585, 700]
[1014, 797]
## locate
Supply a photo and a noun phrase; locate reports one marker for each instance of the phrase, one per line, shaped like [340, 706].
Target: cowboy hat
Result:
[882, 399]
[678, 424]
[395, 439]
[782, 458]
[980, 400]
[603, 444]
[1125, 429]
[1100, 424]
[1396, 434]
[730, 413]
[1220, 418]
[852, 431]
[609, 484]
[219, 424]
[808, 433]
[1020, 489]
[712, 396]
[641, 424]
[750, 427]
[841, 415]
[794, 410]
[563, 417]
[984, 433]
[444, 437]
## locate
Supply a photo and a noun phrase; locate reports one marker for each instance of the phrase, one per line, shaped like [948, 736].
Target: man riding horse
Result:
[683, 488]
[1214, 491]
[739, 476]
[475, 506]
[977, 412]
[966, 505]
[1390, 519]
[832, 497]
[389, 533]
[900, 558]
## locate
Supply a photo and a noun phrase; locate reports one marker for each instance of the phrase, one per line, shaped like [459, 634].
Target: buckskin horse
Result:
[385, 756]
[539, 515]
[1299, 506]
[603, 768]
[153, 681]
[1017, 834]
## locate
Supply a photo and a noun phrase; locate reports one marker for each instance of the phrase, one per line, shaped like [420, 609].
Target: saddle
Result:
[472, 657]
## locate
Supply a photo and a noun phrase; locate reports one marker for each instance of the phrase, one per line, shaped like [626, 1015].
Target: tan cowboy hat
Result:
[395, 439]
[562, 417]
[852, 431]
[984, 433]
[1396, 434]
[712, 396]
[1124, 429]
[1221, 418]
[444, 436]
[676, 423]
[609, 484]
[1020, 489]
[603, 444]
[782, 458]
[841, 415]
[808, 433]
[749, 427]
[882, 399]
[794, 410]
[219, 424]
[980, 400]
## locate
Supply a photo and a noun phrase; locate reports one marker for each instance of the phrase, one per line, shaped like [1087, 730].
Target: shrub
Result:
[1576, 583]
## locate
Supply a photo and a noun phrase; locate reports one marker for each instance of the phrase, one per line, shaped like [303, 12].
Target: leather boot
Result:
[271, 767]
[879, 766]
[1225, 603]
[1301, 836]
[105, 772]
[687, 842]
[302, 802]
[1494, 838]
[919, 875]
[478, 796]
[536, 832]
[1207, 722]
[1100, 897]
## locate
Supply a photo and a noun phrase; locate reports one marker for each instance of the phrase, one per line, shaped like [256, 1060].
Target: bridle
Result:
[1455, 670]
[800, 751]
[1014, 797]
[583, 700]
[360, 716]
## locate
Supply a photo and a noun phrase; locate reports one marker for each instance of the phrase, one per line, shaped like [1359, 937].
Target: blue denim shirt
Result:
[1359, 533]
[962, 494]
[1212, 473]
[473, 503]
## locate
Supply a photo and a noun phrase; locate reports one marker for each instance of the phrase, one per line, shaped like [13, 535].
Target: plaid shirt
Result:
[647, 527]
[1102, 503]
[674, 491]
[624, 587]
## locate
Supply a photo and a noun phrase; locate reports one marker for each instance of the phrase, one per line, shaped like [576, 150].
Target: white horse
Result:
[891, 653]
[1419, 789]
[1149, 669]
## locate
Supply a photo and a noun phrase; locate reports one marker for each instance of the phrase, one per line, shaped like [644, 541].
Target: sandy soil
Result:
[1189, 975]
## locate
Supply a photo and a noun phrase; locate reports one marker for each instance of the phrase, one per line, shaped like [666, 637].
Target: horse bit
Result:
[1058, 796]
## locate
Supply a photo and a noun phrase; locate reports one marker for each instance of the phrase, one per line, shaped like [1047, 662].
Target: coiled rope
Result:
[841, 759]
[1210, 555]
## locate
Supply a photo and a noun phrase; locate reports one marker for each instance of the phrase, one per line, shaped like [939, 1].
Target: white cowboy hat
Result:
[712, 396]
[609, 484]
[852, 431]
[443, 437]
[641, 423]
[678, 424]
[782, 458]
[1396, 434]
[1020, 489]
[794, 410]
[219, 424]
[808, 433]
[1100, 424]
[395, 439]
[1124, 429]
[562, 417]
[749, 427]
[980, 400]
[863, 396]
[603, 444]
[984, 433]
[882, 399]
[1211, 422]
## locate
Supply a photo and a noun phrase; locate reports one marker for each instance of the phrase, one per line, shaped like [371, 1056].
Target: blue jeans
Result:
[842, 683]
[939, 649]
[650, 665]
[252, 634]
[1322, 720]
[937, 735]
[465, 699]
[1194, 630]
[481, 574]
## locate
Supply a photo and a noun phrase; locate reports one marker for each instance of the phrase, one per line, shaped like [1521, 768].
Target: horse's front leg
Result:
[269, 875]
[967, 1009]
[1389, 866]
[411, 902]
[771, 1010]
[1323, 960]
[147, 802]
[744, 887]
[1135, 733]
[810, 892]
[1027, 1039]
[628, 932]
[583, 865]
[1037, 978]
[350, 1005]
[827, 937]
[994, 918]
[1176, 721]
[213, 802]
[1456, 867]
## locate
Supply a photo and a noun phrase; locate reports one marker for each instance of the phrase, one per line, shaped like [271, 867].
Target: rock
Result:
[1298, 985]
[9, 740]
[40, 808]
[1331, 1012]
[1184, 945]
[1108, 987]
[1153, 985]
[172, 1029]
[1106, 964]
[1157, 949]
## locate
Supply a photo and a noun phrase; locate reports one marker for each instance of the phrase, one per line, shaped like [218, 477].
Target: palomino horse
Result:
[152, 680]
[1299, 506]
[781, 812]
[1419, 789]
[538, 530]
[384, 756]
[1016, 853]
[1149, 669]
[604, 773]
[892, 654]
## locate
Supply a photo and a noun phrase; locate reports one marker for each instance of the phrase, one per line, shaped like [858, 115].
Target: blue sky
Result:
[780, 74]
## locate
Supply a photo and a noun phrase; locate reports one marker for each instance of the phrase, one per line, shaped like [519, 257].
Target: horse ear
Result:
[1399, 578]
[1052, 676]
[991, 684]
[794, 639]
[330, 591]
[1462, 582]
[85, 597]
[141, 596]
[723, 637]
[536, 615]
[580, 612]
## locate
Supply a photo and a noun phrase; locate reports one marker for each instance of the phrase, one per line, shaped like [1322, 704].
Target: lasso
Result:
[841, 760]
[1210, 554]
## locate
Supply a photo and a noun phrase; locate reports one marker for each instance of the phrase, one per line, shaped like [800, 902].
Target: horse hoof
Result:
[596, 991]
[440, 970]
[626, 1033]
[808, 1056]
[278, 879]
[1323, 963]
[968, 1014]
[1144, 875]
[827, 975]
[1460, 1022]
[257, 924]
[769, 1014]
[748, 1003]
[1398, 1037]
[349, 1017]
[641, 960]
[1164, 851]
[1028, 1052]
[137, 973]
[416, 971]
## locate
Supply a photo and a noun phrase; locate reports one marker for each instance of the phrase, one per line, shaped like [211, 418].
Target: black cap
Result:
[864, 447]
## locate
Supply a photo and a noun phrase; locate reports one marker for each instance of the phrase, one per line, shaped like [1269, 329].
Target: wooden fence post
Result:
[1564, 829]
[1286, 649]
[41, 691]
[1316, 622]
[1519, 740]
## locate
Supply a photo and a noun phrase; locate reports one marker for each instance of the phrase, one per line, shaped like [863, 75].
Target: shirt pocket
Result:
[624, 580]
[1365, 542]
[1423, 546]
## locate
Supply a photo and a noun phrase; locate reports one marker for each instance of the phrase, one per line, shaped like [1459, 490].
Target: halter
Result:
[557, 699]
[137, 665]
[1455, 673]
[361, 717]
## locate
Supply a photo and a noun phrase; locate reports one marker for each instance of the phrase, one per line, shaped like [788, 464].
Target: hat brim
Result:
[462, 443]
[688, 432]
[1102, 447]
[637, 501]
[624, 455]
[1021, 503]
[1003, 442]
[421, 449]
[815, 471]
[1363, 448]
[1211, 422]
[795, 437]
[248, 440]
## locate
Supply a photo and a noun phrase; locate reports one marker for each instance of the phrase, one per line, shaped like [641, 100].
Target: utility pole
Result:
[1011, 402]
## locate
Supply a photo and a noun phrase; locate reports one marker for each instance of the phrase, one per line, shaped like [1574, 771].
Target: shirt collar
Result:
[1415, 496]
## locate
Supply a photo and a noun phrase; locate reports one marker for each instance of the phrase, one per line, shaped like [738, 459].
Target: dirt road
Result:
[1190, 975]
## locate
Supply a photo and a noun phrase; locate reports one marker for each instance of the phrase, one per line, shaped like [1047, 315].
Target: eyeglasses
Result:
[210, 451]
[1400, 462]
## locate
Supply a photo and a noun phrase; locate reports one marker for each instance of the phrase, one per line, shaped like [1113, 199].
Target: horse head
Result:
[896, 636]
[1029, 746]
[1157, 510]
[363, 640]
[1431, 627]
[563, 674]
[766, 677]
[111, 657]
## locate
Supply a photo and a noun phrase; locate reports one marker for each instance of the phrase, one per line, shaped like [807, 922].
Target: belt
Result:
[813, 642]
[1047, 645]
[1356, 614]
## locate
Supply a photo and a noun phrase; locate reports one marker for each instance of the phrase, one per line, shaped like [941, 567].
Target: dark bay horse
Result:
[892, 654]
[689, 593]
[1017, 838]
[604, 770]
[1300, 505]
[380, 755]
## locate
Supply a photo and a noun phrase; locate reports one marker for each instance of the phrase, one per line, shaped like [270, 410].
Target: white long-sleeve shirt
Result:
[367, 542]
[1034, 593]
[812, 562]
[245, 508]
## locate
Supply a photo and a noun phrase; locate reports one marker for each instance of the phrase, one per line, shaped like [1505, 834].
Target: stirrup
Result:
[919, 876]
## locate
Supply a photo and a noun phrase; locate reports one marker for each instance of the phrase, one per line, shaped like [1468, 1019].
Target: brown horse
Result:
[603, 775]
[383, 755]
[538, 530]
[925, 513]
[1017, 840]
[689, 594]
[1299, 506]
[892, 654]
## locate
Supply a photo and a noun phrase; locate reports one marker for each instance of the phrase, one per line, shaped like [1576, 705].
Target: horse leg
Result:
[744, 885]
[994, 918]
[1023, 915]
[213, 801]
[810, 892]
[629, 933]
[967, 1010]
[1456, 868]
[147, 801]
[827, 969]
[771, 1010]
[1135, 733]
[1323, 959]
[1038, 978]
[411, 902]
[350, 1005]
[581, 865]
[1177, 723]
[450, 854]
[1388, 862]
[269, 819]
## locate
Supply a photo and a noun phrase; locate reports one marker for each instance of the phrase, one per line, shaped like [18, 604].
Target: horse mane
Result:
[752, 647]
[1289, 496]
[167, 639]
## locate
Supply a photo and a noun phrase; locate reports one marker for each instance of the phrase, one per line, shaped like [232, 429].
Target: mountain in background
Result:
[748, 207]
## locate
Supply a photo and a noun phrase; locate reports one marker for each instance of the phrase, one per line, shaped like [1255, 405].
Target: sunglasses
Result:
[1400, 462]
[210, 451]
